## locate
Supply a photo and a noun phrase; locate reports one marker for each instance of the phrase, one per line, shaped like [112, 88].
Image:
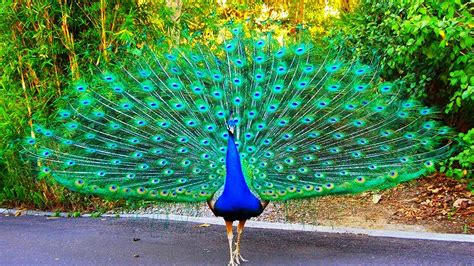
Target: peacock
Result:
[236, 124]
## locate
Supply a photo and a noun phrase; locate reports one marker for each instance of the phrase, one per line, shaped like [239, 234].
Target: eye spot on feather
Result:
[64, 114]
[338, 135]
[46, 170]
[291, 149]
[114, 126]
[428, 164]
[425, 111]
[334, 88]
[101, 173]
[360, 88]
[328, 162]
[385, 147]
[116, 161]
[307, 119]
[428, 125]
[137, 155]
[134, 140]
[443, 131]
[300, 50]
[360, 179]
[303, 170]
[343, 173]
[402, 114]
[45, 153]
[329, 186]
[319, 175]
[393, 174]
[268, 154]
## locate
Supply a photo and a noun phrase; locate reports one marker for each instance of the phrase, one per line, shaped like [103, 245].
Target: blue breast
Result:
[236, 202]
[237, 206]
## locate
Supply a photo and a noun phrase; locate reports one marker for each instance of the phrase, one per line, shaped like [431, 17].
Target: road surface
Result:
[32, 240]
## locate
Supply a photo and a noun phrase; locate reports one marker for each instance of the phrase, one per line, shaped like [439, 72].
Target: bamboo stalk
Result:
[103, 5]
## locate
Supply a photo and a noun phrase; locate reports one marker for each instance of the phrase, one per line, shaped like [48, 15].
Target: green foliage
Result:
[428, 44]
[461, 165]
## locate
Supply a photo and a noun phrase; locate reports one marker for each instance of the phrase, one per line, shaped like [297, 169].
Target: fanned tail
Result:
[308, 123]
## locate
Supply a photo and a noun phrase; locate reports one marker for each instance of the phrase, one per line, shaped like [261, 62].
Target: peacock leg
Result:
[240, 230]
[230, 236]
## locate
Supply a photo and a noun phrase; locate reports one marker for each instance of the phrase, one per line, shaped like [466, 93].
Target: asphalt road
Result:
[29, 240]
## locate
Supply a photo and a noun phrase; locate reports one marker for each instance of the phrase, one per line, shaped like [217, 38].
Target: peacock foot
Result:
[232, 262]
[237, 257]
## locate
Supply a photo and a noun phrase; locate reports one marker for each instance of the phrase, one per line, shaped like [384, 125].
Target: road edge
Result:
[271, 225]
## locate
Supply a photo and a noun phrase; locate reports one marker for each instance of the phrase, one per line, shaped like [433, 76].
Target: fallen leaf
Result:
[202, 225]
[376, 198]
[462, 203]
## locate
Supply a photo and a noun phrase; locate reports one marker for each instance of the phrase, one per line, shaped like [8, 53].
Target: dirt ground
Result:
[435, 203]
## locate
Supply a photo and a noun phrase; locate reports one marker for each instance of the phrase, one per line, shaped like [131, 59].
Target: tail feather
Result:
[308, 123]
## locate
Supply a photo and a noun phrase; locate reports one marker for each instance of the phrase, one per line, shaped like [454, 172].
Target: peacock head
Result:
[231, 126]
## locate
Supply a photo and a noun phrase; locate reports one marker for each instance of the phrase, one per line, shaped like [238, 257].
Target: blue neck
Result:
[234, 179]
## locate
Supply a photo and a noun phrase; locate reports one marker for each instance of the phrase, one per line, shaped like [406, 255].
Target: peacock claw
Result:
[237, 257]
